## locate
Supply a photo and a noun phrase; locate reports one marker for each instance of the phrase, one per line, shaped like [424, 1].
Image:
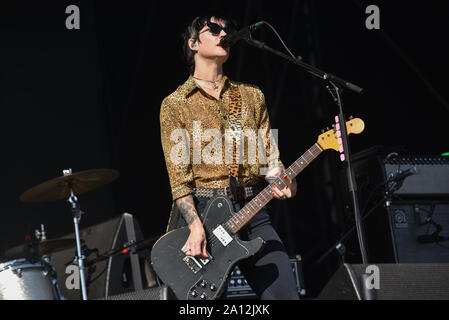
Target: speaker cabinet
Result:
[156, 293]
[410, 222]
[116, 275]
[422, 281]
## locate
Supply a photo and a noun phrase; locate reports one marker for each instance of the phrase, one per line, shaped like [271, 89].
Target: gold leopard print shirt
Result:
[201, 137]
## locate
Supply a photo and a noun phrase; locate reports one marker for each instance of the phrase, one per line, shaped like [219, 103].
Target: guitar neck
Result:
[242, 217]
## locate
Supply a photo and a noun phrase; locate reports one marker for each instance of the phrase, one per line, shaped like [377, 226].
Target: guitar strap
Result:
[235, 127]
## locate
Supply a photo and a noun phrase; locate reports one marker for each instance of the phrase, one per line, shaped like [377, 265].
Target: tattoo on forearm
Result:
[187, 208]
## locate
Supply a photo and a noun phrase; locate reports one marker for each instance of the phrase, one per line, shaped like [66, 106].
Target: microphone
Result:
[431, 238]
[230, 39]
[400, 175]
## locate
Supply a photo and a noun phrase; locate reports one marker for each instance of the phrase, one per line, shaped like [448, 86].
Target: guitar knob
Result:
[203, 296]
[193, 293]
[213, 287]
[203, 284]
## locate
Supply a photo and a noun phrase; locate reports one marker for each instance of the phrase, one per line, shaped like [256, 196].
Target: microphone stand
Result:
[338, 84]
[135, 246]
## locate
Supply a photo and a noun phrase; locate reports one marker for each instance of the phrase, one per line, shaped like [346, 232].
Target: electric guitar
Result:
[193, 278]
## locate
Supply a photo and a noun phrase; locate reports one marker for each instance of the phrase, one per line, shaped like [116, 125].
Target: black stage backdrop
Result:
[90, 98]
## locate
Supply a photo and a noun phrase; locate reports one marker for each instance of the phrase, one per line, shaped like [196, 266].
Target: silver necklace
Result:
[215, 86]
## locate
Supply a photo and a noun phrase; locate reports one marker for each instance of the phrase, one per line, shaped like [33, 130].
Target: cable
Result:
[280, 39]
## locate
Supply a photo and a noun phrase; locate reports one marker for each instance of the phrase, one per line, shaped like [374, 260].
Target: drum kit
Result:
[28, 274]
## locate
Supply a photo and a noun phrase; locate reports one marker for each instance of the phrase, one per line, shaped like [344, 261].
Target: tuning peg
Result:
[351, 117]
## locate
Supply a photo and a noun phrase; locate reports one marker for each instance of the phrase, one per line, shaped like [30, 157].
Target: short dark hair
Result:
[192, 32]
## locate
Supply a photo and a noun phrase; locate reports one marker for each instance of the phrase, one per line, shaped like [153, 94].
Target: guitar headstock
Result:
[331, 139]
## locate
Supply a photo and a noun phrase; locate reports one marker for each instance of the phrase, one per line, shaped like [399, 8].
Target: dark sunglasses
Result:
[216, 28]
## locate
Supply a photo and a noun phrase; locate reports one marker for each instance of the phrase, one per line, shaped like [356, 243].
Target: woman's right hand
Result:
[196, 242]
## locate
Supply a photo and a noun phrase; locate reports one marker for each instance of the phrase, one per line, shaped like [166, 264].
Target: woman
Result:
[208, 100]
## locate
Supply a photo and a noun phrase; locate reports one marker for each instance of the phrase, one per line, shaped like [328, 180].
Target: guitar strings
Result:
[305, 157]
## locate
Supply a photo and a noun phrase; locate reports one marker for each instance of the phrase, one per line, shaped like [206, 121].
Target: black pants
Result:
[269, 272]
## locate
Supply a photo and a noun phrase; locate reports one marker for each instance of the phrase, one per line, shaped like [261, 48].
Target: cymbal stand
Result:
[76, 210]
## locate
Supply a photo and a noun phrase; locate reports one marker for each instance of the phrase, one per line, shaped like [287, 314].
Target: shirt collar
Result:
[190, 85]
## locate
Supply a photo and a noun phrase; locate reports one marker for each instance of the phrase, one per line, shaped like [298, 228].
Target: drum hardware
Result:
[41, 235]
[31, 268]
[68, 187]
[50, 272]
[89, 264]
[76, 210]
[34, 250]
[23, 280]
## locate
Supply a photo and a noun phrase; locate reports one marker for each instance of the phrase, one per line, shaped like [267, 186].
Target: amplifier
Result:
[431, 179]
[238, 287]
[415, 228]
[392, 226]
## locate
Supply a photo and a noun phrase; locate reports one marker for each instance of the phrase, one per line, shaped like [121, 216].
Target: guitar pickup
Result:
[222, 235]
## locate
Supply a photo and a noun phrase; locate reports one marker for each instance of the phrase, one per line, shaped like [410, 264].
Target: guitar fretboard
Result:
[244, 215]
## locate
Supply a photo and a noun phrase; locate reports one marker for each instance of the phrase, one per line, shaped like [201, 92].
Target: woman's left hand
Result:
[289, 191]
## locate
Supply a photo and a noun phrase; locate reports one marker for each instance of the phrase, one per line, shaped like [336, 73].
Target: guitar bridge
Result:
[192, 263]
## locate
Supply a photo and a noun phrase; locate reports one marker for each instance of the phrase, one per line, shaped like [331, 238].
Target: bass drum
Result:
[21, 280]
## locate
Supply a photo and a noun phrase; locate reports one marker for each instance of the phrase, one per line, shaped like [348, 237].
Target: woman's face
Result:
[209, 45]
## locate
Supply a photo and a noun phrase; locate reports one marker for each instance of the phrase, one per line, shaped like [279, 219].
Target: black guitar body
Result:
[193, 278]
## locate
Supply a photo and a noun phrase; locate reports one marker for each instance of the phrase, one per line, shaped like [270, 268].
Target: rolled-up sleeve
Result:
[176, 147]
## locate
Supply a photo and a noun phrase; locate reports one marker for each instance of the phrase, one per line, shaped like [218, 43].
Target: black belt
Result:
[241, 193]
